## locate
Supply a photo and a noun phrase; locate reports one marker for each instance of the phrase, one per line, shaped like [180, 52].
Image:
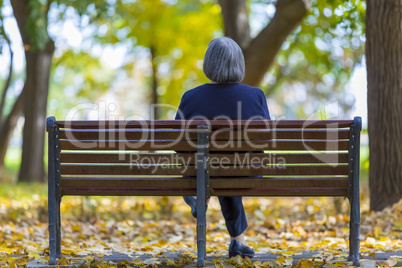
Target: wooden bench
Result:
[203, 158]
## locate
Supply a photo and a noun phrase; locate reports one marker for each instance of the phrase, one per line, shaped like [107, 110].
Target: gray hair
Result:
[224, 61]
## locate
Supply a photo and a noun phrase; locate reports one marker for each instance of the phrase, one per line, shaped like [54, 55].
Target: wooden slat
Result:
[133, 182]
[216, 183]
[128, 145]
[280, 182]
[236, 124]
[79, 157]
[292, 170]
[214, 146]
[99, 191]
[127, 170]
[278, 158]
[278, 145]
[220, 170]
[191, 134]
[142, 170]
[189, 158]
[282, 192]
[128, 134]
[295, 134]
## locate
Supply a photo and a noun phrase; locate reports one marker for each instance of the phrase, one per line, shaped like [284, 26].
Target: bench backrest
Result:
[248, 158]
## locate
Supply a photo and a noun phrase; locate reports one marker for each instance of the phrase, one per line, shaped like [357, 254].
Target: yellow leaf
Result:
[338, 264]
[219, 265]
[64, 261]
[11, 259]
[283, 260]
[237, 260]
[34, 255]
[75, 228]
[304, 263]
[170, 262]
[137, 262]
[390, 263]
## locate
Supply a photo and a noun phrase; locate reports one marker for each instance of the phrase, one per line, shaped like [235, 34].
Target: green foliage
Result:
[319, 57]
[36, 25]
[312, 68]
[177, 34]
[78, 77]
[2, 31]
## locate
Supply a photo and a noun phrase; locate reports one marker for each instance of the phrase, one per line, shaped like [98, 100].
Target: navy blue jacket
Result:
[223, 101]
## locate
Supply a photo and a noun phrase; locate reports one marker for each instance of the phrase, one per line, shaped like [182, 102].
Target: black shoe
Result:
[236, 248]
[192, 202]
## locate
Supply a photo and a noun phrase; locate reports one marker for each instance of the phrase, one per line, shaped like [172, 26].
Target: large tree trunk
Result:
[235, 21]
[38, 64]
[260, 52]
[384, 84]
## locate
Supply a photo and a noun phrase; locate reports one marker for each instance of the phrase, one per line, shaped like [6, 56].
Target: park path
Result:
[367, 261]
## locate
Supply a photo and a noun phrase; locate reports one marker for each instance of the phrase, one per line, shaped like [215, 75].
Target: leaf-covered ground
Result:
[96, 227]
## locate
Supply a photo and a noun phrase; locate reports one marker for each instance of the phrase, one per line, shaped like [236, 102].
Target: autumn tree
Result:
[32, 21]
[31, 18]
[311, 45]
[384, 84]
[314, 44]
[7, 120]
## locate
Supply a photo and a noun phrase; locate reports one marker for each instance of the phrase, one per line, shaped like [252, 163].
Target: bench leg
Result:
[354, 191]
[52, 197]
[52, 224]
[354, 241]
[58, 230]
[201, 230]
[202, 186]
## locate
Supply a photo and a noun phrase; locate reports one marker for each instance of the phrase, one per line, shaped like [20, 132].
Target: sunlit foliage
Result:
[311, 70]
[317, 60]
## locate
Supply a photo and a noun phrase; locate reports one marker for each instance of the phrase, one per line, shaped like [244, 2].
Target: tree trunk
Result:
[235, 21]
[154, 86]
[384, 84]
[38, 64]
[263, 49]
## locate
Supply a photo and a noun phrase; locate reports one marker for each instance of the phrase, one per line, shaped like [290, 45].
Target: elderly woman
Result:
[225, 97]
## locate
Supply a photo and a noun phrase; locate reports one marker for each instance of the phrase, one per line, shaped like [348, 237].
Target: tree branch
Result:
[8, 81]
[8, 126]
[235, 21]
[261, 53]
[20, 10]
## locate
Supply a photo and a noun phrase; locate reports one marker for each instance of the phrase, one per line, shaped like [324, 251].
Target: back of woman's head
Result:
[224, 61]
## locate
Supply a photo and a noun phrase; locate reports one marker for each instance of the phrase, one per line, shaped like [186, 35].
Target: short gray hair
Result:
[224, 61]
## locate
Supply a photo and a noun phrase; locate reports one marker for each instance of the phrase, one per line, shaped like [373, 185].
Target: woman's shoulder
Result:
[210, 87]
[254, 90]
[197, 90]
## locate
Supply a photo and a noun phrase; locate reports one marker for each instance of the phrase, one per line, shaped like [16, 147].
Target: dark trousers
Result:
[233, 212]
